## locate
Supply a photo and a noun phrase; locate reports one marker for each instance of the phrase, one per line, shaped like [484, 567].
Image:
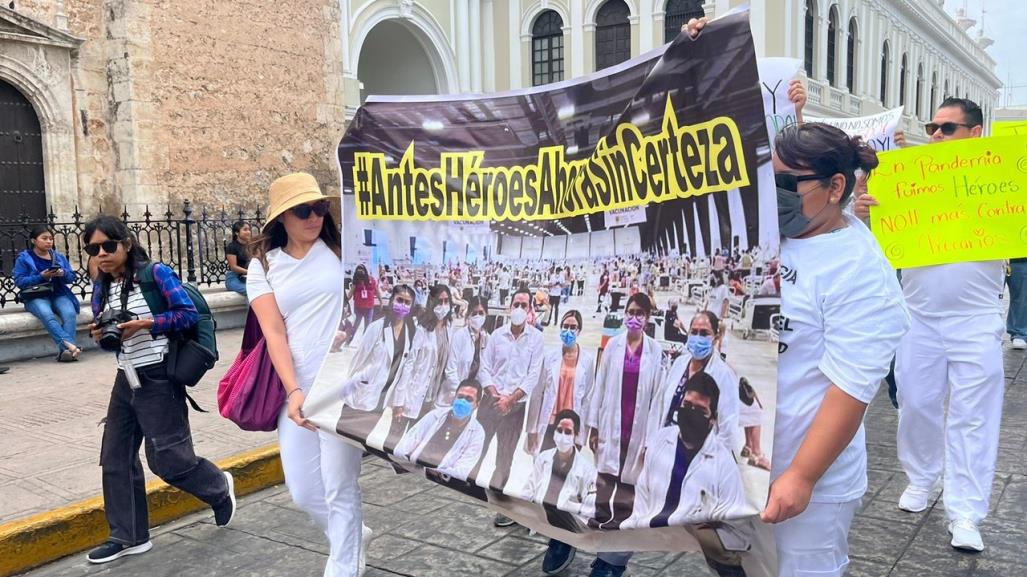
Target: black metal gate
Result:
[22, 190]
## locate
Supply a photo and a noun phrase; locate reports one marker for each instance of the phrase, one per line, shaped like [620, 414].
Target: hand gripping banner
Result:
[509, 339]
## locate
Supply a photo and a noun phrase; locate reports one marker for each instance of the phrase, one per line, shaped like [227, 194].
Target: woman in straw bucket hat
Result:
[294, 283]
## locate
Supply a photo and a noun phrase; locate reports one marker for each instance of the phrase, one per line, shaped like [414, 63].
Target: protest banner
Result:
[775, 74]
[480, 216]
[957, 201]
[1009, 128]
[877, 130]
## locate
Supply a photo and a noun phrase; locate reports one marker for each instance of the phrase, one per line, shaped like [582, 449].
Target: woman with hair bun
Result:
[844, 315]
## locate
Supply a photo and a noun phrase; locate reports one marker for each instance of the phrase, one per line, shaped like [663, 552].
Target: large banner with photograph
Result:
[509, 342]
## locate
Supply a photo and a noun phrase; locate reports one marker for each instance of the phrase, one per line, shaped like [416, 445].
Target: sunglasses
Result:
[947, 128]
[303, 211]
[791, 182]
[108, 246]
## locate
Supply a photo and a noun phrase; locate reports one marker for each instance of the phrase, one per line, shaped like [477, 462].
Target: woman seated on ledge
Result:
[238, 258]
[43, 276]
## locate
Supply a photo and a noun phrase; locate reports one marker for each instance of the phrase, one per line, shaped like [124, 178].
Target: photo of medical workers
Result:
[544, 332]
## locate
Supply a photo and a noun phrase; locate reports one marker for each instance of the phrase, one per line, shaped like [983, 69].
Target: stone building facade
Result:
[150, 102]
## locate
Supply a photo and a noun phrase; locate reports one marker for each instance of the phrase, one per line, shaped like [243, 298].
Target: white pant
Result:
[958, 359]
[321, 472]
[815, 543]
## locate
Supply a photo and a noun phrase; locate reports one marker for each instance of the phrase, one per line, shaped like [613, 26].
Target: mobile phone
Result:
[54, 268]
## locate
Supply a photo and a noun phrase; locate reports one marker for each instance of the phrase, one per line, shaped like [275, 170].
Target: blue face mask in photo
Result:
[568, 337]
[462, 408]
[699, 346]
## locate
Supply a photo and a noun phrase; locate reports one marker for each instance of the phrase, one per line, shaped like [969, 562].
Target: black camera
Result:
[107, 323]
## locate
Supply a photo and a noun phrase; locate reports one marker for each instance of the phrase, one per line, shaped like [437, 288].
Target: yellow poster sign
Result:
[955, 201]
[1009, 128]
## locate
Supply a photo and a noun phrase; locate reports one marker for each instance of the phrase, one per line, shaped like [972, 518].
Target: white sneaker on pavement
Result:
[1019, 344]
[914, 499]
[965, 535]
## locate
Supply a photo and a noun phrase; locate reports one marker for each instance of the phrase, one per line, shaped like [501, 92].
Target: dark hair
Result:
[642, 300]
[427, 318]
[569, 414]
[274, 236]
[360, 274]
[577, 317]
[236, 227]
[471, 383]
[523, 290]
[826, 150]
[474, 302]
[38, 230]
[704, 384]
[114, 229]
[714, 321]
[971, 111]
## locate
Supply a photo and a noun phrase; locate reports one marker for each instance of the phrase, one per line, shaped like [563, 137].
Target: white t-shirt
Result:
[142, 349]
[309, 295]
[717, 297]
[842, 318]
[959, 289]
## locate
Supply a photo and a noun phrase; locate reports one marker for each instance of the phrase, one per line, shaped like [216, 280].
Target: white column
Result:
[463, 45]
[515, 44]
[476, 47]
[577, 39]
[646, 40]
[820, 52]
[758, 24]
[489, 23]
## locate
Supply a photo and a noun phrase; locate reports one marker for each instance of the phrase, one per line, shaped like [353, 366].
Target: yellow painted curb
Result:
[39, 539]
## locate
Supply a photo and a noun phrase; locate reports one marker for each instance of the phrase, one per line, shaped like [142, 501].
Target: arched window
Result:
[945, 94]
[678, 13]
[934, 93]
[832, 46]
[613, 34]
[547, 48]
[884, 74]
[902, 80]
[810, 27]
[850, 57]
[919, 90]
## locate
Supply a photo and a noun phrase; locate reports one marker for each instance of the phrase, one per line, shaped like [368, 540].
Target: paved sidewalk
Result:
[426, 531]
[51, 434]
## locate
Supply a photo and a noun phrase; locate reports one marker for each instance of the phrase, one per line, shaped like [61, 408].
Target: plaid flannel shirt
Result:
[181, 313]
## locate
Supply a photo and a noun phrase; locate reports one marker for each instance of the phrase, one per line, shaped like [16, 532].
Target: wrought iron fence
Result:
[194, 245]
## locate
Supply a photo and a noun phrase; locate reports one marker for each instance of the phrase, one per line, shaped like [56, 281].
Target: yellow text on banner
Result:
[957, 201]
[1009, 128]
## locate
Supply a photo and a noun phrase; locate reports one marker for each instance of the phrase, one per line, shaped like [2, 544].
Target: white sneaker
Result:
[1019, 344]
[365, 539]
[914, 499]
[965, 535]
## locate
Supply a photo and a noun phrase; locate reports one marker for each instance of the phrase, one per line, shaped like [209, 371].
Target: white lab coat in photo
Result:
[578, 493]
[458, 365]
[371, 368]
[437, 374]
[712, 489]
[728, 406]
[604, 410]
[461, 457]
[543, 398]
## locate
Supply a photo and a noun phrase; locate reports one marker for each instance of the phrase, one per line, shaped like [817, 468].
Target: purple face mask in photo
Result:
[634, 324]
[401, 310]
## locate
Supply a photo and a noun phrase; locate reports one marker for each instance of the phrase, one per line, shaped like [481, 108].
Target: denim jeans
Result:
[57, 313]
[157, 414]
[1016, 320]
[235, 283]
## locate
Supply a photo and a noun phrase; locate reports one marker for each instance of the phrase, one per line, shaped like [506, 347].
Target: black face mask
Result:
[693, 424]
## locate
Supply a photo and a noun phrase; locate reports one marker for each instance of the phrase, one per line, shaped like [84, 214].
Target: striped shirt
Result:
[143, 348]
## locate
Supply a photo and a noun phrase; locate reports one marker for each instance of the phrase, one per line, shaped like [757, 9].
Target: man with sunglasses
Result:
[953, 352]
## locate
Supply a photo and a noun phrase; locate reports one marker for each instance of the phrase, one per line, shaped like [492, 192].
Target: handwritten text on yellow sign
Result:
[957, 201]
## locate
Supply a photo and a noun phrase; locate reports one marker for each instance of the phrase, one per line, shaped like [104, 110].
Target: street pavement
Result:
[50, 428]
[423, 530]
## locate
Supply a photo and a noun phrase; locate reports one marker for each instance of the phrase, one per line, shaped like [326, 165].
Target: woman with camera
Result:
[145, 405]
[295, 288]
[43, 276]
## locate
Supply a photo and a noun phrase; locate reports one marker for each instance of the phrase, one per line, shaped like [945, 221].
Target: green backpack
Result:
[193, 352]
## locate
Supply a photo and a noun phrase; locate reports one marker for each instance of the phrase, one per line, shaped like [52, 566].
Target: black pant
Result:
[502, 296]
[507, 431]
[623, 495]
[554, 309]
[157, 414]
